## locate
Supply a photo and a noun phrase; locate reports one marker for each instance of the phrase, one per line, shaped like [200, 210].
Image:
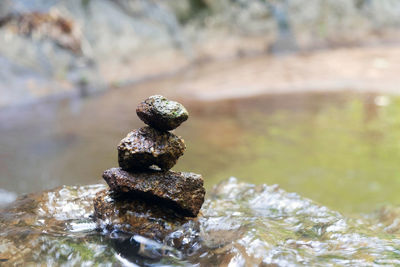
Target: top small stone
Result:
[161, 113]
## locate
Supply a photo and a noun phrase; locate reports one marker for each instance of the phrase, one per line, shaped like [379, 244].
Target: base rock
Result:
[120, 212]
[181, 191]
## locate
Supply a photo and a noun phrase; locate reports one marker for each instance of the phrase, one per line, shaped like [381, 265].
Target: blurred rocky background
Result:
[55, 48]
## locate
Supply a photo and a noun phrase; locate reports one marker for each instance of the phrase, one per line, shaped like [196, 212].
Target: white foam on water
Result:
[6, 197]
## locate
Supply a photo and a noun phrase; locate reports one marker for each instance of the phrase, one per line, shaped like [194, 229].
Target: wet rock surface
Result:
[147, 146]
[242, 224]
[161, 113]
[183, 191]
[120, 211]
[51, 228]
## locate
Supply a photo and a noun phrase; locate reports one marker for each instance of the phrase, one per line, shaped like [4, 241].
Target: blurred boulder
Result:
[82, 44]
[86, 45]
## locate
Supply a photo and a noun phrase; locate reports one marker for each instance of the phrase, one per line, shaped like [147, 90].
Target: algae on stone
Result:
[161, 113]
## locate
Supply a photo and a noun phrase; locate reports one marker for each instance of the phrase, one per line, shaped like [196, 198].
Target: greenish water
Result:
[340, 149]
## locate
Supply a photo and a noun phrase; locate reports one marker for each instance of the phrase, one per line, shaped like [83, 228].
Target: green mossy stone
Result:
[161, 113]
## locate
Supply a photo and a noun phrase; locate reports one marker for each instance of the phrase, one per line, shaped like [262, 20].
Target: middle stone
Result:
[146, 147]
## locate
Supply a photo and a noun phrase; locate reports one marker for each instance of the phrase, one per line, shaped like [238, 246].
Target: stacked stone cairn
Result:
[145, 196]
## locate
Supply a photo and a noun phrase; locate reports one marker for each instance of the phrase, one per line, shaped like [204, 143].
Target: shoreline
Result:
[368, 70]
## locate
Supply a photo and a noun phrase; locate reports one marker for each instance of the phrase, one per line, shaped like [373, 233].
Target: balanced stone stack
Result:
[144, 189]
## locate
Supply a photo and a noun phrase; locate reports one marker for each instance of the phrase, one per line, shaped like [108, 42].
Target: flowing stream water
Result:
[241, 225]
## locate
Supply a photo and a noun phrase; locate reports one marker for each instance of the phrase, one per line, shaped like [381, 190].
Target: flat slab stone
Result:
[161, 113]
[119, 212]
[182, 191]
[146, 146]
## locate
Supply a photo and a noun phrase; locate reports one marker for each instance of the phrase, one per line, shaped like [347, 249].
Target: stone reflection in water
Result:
[245, 224]
[342, 153]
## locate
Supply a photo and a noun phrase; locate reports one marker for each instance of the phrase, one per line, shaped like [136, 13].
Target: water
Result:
[242, 225]
[340, 149]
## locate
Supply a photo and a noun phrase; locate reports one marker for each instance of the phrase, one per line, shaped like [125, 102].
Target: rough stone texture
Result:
[146, 146]
[161, 113]
[182, 191]
[119, 212]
